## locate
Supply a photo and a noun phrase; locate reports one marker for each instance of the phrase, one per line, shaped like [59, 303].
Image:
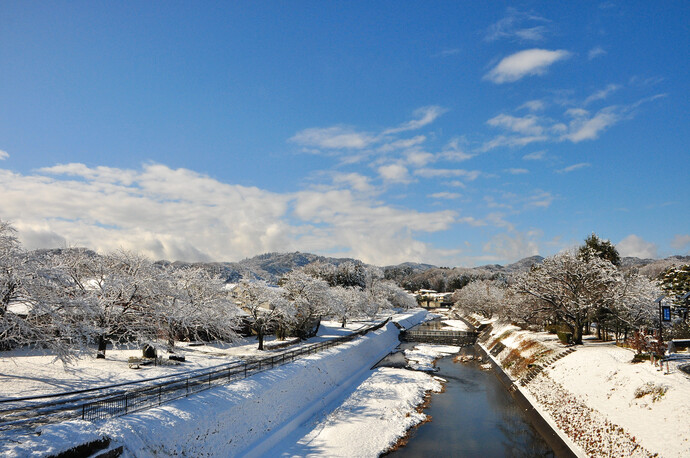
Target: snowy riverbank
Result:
[251, 416]
[603, 403]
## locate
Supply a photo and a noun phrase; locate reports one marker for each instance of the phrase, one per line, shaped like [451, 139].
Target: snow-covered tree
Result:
[310, 297]
[569, 288]
[675, 281]
[116, 294]
[347, 302]
[486, 297]
[192, 304]
[33, 307]
[266, 307]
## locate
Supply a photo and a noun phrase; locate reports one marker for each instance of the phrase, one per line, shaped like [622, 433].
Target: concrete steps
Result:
[537, 368]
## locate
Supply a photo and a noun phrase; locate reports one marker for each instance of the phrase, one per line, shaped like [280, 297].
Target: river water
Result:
[474, 417]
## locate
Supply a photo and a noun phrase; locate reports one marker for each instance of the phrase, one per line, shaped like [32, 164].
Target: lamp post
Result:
[658, 301]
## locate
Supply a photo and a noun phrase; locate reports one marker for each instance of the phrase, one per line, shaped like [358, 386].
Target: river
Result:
[474, 417]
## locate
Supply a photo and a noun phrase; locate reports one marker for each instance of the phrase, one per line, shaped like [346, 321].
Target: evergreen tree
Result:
[604, 249]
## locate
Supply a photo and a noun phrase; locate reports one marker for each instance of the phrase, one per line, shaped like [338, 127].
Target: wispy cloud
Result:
[447, 52]
[445, 195]
[535, 156]
[533, 105]
[585, 127]
[528, 125]
[529, 62]
[512, 141]
[602, 94]
[469, 175]
[3, 155]
[518, 26]
[425, 115]
[336, 137]
[595, 52]
[574, 167]
[517, 171]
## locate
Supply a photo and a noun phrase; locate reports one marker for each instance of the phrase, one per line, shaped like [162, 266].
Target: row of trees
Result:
[70, 299]
[304, 296]
[571, 289]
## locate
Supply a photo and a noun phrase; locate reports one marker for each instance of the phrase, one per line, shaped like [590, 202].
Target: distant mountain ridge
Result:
[272, 266]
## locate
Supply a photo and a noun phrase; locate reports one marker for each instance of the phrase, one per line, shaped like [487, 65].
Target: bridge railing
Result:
[103, 403]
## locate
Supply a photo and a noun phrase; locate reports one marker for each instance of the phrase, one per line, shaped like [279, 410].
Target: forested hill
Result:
[269, 266]
[410, 275]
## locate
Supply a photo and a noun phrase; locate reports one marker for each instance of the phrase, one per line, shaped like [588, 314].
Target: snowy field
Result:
[608, 405]
[32, 372]
[315, 398]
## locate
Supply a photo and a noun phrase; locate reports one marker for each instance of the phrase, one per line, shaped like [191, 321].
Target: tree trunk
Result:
[260, 333]
[577, 333]
[101, 347]
[344, 322]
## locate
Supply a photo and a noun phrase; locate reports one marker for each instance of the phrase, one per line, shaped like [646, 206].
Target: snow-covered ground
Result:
[607, 405]
[252, 416]
[32, 372]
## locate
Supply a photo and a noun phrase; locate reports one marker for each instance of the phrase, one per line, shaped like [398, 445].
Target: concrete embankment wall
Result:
[555, 438]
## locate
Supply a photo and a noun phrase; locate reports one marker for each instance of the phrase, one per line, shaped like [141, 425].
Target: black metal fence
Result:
[103, 403]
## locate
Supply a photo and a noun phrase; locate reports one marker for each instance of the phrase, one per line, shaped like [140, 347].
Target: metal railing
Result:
[103, 403]
[462, 338]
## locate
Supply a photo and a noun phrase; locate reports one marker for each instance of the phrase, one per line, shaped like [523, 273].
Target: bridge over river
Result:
[436, 332]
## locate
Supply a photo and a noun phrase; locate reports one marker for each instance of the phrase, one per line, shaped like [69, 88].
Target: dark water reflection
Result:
[474, 417]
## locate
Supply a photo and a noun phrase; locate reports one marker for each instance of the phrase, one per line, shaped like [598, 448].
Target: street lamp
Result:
[658, 301]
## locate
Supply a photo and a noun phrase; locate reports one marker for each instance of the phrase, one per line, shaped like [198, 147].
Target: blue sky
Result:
[455, 133]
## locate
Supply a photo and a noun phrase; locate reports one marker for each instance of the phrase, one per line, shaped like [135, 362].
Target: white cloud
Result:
[602, 94]
[517, 171]
[337, 137]
[525, 63]
[447, 52]
[515, 25]
[394, 173]
[179, 214]
[636, 246]
[535, 156]
[402, 144]
[540, 199]
[470, 175]
[596, 52]
[527, 125]
[3, 155]
[572, 168]
[512, 247]
[353, 180]
[533, 105]
[583, 127]
[419, 158]
[426, 116]
[680, 241]
[512, 141]
[445, 195]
